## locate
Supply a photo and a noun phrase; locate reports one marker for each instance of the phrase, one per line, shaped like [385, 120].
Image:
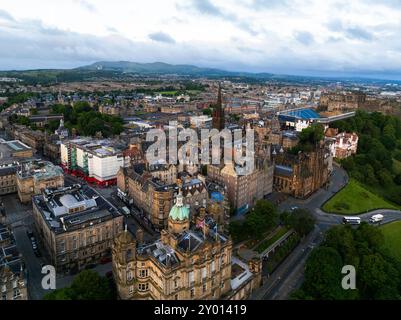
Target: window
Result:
[176, 297]
[175, 283]
[204, 287]
[143, 287]
[204, 273]
[16, 294]
[191, 279]
[129, 275]
[143, 273]
[213, 266]
[131, 290]
[192, 293]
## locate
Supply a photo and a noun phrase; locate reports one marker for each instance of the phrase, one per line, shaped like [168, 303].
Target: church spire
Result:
[218, 112]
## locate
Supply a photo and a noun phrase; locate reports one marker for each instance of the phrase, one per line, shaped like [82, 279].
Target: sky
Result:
[305, 37]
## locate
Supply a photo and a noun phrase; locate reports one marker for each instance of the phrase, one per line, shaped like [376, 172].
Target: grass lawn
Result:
[267, 243]
[167, 93]
[355, 199]
[392, 237]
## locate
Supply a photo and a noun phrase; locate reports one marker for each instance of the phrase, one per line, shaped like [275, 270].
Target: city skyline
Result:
[335, 38]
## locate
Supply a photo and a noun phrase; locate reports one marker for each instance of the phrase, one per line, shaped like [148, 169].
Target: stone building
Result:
[33, 138]
[8, 180]
[11, 154]
[243, 190]
[342, 101]
[13, 277]
[152, 191]
[300, 175]
[76, 225]
[51, 148]
[33, 177]
[343, 144]
[185, 263]
[218, 121]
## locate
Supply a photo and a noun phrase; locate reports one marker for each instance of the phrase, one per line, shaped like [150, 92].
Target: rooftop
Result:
[98, 147]
[9, 148]
[39, 170]
[73, 207]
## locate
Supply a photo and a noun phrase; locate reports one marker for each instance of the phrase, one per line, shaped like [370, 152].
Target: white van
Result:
[376, 218]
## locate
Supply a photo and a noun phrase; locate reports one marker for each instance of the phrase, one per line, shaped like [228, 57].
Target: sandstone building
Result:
[300, 175]
[13, 277]
[76, 225]
[348, 101]
[33, 177]
[186, 262]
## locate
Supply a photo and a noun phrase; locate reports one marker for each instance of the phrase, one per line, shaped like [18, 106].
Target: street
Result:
[289, 275]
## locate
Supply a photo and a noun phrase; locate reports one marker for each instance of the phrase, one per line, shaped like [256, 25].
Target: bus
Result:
[351, 220]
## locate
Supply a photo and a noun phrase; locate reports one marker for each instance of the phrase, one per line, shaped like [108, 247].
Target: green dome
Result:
[179, 211]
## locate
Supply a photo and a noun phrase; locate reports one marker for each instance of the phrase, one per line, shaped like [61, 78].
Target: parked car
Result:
[90, 266]
[29, 234]
[105, 260]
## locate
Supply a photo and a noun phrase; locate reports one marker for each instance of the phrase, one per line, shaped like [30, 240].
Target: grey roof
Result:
[283, 170]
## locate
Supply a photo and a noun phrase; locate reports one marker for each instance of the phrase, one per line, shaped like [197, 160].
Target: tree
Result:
[302, 221]
[378, 278]
[323, 274]
[341, 238]
[207, 112]
[87, 285]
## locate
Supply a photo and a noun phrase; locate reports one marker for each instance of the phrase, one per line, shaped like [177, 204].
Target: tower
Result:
[218, 113]
[178, 220]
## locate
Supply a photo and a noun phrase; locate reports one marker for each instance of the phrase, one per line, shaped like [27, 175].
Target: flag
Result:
[200, 224]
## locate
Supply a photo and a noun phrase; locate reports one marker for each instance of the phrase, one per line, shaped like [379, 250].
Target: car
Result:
[90, 266]
[294, 208]
[29, 234]
[37, 253]
[105, 260]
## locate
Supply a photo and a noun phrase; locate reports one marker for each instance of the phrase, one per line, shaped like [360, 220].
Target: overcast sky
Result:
[330, 37]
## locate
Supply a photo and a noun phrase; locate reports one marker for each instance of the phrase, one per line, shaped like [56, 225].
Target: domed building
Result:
[187, 262]
[178, 220]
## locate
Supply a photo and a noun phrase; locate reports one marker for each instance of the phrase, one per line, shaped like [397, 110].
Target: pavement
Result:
[20, 218]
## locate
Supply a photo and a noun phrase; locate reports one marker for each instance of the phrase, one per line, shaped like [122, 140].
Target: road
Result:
[289, 275]
[20, 218]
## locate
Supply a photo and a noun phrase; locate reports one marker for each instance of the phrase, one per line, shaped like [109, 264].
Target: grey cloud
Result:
[353, 32]
[269, 4]
[304, 37]
[206, 7]
[358, 33]
[161, 37]
[86, 4]
[6, 16]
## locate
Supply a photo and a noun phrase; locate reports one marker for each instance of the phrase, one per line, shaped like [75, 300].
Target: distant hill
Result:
[163, 68]
[126, 70]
